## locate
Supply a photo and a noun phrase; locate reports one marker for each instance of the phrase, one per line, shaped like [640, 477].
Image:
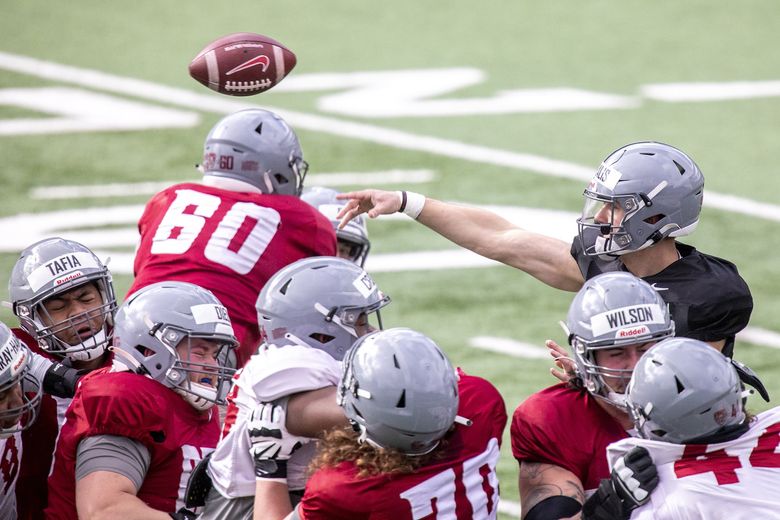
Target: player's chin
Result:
[7, 423]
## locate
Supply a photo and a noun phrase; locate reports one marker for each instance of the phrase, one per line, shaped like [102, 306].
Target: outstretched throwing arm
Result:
[481, 231]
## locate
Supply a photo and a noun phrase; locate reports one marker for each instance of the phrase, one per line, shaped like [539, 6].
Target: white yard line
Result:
[129, 189]
[329, 125]
[510, 347]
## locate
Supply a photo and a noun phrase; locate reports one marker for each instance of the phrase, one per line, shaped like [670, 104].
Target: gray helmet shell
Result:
[154, 320]
[611, 310]
[399, 390]
[318, 301]
[660, 189]
[50, 268]
[14, 370]
[257, 147]
[683, 389]
[355, 233]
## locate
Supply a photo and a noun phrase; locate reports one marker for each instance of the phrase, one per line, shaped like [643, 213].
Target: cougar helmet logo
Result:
[257, 60]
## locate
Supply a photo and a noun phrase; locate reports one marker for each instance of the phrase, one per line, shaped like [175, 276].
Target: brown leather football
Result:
[242, 64]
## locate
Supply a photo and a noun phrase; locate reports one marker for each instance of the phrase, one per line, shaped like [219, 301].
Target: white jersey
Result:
[272, 373]
[738, 479]
[10, 460]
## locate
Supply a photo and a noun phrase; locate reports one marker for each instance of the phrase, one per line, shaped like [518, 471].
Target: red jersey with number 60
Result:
[461, 485]
[228, 242]
[736, 479]
[139, 408]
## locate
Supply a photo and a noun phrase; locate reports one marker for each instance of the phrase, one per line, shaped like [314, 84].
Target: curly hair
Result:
[342, 445]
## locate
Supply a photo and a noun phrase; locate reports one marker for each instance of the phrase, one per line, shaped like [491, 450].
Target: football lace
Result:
[245, 86]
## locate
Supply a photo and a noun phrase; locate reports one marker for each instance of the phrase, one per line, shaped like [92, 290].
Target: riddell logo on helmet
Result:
[68, 278]
[634, 331]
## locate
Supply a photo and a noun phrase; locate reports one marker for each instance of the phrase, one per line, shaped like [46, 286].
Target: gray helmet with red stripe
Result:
[257, 147]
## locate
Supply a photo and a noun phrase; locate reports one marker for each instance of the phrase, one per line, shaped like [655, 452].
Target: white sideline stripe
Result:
[149, 188]
[510, 347]
[761, 337]
[509, 508]
[698, 92]
[360, 131]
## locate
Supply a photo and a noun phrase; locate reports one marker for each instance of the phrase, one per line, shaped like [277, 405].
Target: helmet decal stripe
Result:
[627, 317]
[61, 269]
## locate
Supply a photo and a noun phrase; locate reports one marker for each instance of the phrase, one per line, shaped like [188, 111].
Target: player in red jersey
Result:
[714, 460]
[640, 200]
[423, 442]
[64, 298]
[241, 225]
[560, 434]
[134, 432]
[20, 394]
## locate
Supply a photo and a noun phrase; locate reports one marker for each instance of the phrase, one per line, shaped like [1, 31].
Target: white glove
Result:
[272, 445]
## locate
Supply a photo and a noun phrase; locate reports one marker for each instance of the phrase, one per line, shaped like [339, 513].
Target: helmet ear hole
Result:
[321, 338]
[655, 219]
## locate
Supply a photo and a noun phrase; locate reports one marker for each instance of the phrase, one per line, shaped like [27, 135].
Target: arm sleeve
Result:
[113, 453]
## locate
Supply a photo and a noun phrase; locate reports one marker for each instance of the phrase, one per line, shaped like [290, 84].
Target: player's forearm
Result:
[111, 506]
[272, 500]
[485, 233]
[538, 482]
[476, 229]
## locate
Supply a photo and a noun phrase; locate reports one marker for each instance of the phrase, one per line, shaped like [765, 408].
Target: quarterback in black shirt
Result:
[640, 200]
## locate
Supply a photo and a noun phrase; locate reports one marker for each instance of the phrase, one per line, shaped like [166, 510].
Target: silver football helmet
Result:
[157, 319]
[319, 302]
[657, 188]
[48, 269]
[684, 389]
[21, 391]
[354, 236]
[399, 390]
[613, 310]
[257, 147]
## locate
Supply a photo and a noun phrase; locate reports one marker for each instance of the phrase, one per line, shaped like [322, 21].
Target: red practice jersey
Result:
[461, 485]
[567, 428]
[228, 242]
[31, 491]
[134, 406]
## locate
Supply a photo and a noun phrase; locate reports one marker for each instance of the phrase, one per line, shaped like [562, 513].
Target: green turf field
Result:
[621, 51]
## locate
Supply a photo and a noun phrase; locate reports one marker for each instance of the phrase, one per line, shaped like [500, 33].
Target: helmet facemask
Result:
[201, 384]
[80, 337]
[17, 383]
[630, 224]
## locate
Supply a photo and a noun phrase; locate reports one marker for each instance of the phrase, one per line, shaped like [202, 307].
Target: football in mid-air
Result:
[242, 64]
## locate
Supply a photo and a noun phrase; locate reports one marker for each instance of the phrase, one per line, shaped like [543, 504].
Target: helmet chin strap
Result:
[91, 348]
[200, 396]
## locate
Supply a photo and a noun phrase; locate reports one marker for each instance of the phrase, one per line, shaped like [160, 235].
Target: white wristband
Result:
[412, 203]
